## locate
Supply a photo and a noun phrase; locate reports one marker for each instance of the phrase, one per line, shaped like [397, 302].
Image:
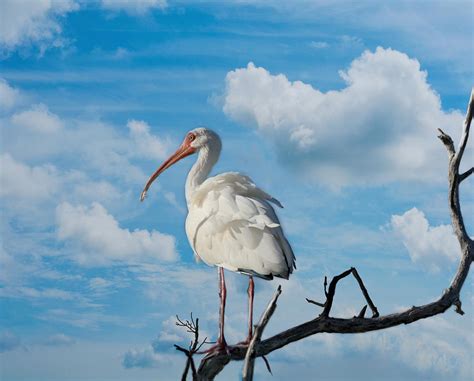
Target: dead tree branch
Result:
[332, 291]
[211, 365]
[249, 362]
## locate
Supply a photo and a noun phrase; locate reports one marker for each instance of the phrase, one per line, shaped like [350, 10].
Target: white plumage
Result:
[231, 222]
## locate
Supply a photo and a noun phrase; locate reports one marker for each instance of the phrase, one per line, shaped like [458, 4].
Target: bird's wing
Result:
[237, 228]
[240, 183]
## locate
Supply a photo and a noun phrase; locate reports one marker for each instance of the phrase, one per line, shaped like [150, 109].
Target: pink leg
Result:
[250, 291]
[222, 295]
[221, 344]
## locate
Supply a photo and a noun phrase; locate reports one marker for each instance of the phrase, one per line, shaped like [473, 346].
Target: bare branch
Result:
[375, 312]
[332, 291]
[448, 142]
[247, 372]
[465, 130]
[465, 175]
[314, 302]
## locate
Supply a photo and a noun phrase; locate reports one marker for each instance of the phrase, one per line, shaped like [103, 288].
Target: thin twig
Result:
[315, 302]
[375, 312]
[191, 326]
[465, 175]
[267, 364]
[362, 312]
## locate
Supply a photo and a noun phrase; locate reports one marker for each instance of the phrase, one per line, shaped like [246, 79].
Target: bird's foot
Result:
[246, 342]
[219, 347]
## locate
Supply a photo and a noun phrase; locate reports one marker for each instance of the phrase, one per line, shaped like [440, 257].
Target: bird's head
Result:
[195, 140]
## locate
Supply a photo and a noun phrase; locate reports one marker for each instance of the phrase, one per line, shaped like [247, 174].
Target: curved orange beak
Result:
[184, 150]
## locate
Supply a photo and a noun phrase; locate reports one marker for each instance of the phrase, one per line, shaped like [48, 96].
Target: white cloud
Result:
[89, 146]
[38, 118]
[33, 192]
[432, 247]
[431, 349]
[33, 293]
[82, 319]
[101, 287]
[171, 333]
[151, 356]
[380, 128]
[9, 96]
[147, 145]
[100, 240]
[142, 358]
[33, 22]
[319, 44]
[139, 7]
[59, 339]
[20, 181]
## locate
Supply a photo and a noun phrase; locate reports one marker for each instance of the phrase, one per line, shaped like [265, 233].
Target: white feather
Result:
[232, 224]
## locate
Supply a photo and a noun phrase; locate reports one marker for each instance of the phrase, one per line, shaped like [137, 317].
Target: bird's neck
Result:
[200, 170]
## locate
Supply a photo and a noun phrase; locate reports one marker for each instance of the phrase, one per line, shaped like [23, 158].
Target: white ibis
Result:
[231, 223]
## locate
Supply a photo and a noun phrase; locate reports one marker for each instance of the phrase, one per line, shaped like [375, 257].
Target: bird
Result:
[231, 223]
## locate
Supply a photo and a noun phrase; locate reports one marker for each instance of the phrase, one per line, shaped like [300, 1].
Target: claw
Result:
[219, 347]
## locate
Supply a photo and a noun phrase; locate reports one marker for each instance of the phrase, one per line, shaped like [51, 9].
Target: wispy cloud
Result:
[58, 339]
[133, 7]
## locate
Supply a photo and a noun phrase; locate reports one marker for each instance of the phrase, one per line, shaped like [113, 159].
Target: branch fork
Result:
[327, 305]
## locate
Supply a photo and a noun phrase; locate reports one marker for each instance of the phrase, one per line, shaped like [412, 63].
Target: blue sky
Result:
[331, 107]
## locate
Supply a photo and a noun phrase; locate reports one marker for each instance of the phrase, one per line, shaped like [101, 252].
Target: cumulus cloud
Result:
[148, 357]
[141, 358]
[138, 7]
[33, 22]
[147, 145]
[380, 128]
[99, 239]
[432, 247]
[20, 181]
[38, 118]
[9, 96]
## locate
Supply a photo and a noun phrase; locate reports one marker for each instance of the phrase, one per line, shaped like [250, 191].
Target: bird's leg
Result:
[220, 345]
[222, 295]
[250, 291]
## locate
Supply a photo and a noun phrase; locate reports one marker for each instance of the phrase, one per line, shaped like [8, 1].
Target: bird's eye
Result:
[191, 137]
